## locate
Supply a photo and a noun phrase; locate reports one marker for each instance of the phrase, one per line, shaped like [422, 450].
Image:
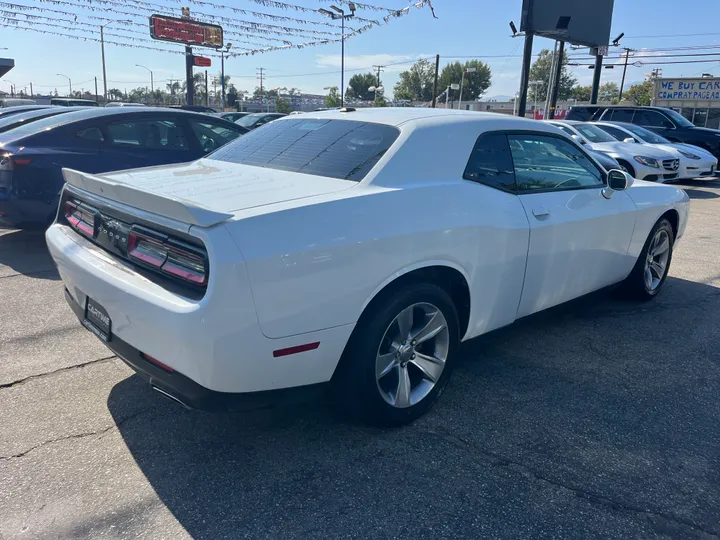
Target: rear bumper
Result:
[215, 343]
[187, 392]
[16, 212]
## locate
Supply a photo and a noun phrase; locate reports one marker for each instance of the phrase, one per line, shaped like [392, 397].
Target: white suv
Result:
[642, 162]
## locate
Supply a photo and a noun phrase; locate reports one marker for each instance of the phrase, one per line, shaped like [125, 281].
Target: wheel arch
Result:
[446, 275]
[673, 217]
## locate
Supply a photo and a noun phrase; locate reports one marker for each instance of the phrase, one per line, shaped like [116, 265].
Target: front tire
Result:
[625, 166]
[400, 356]
[651, 269]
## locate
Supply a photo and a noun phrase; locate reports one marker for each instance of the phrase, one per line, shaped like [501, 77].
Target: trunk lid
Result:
[204, 192]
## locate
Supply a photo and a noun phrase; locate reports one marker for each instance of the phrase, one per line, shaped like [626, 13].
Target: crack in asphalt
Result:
[99, 432]
[59, 370]
[589, 496]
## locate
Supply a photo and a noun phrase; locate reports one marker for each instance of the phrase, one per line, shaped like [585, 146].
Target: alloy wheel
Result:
[657, 260]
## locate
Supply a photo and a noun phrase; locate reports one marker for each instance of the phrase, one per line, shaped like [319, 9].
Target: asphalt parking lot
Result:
[598, 419]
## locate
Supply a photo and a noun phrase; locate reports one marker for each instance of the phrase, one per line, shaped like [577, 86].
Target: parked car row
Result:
[38, 142]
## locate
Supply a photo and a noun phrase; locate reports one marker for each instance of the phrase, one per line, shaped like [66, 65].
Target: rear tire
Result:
[651, 269]
[400, 355]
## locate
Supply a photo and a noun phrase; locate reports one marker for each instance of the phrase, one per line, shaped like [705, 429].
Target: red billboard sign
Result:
[186, 31]
[202, 61]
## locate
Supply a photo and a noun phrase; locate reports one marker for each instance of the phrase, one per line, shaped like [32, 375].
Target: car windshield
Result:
[678, 118]
[645, 134]
[342, 149]
[593, 133]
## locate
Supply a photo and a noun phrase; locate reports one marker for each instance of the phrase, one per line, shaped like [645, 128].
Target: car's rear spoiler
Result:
[173, 208]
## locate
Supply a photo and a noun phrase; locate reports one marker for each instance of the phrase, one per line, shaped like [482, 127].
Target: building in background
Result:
[697, 99]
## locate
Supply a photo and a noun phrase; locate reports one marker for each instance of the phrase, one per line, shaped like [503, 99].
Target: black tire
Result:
[356, 382]
[627, 167]
[635, 285]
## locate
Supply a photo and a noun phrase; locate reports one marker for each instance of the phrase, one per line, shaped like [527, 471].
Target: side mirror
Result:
[579, 139]
[617, 181]
[629, 140]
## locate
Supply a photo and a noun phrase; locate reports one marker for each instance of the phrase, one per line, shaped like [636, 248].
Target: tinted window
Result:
[581, 113]
[679, 119]
[645, 117]
[343, 149]
[550, 163]
[619, 134]
[646, 135]
[619, 115]
[212, 135]
[90, 134]
[491, 162]
[148, 134]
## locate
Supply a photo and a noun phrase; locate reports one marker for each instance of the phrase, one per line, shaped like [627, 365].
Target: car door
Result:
[579, 238]
[144, 140]
[654, 121]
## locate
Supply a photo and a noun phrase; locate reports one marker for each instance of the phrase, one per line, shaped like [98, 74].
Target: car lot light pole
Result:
[223, 52]
[342, 16]
[152, 84]
[102, 50]
[69, 82]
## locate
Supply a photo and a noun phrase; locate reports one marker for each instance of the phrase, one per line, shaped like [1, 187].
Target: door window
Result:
[212, 135]
[491, 163]
[92, 134]
[545, 163]
[147, 134]
[619, 134]
[648, 118]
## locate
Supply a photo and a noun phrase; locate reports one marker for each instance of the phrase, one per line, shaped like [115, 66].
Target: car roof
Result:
[397, 116]
[616, 124]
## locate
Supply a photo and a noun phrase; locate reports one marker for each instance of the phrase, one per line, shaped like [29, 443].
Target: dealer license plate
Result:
[97, 319]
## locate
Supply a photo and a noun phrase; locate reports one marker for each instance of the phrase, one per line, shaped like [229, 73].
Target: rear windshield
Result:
[343, 149]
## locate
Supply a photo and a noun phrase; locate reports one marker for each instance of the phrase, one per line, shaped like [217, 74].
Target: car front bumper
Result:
[698, 169]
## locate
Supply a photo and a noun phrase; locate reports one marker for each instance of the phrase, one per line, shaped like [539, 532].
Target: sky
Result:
[464, 28]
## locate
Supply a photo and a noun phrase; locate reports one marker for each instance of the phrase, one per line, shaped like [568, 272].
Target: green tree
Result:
[282, 106]
[475, 83]
[115, 94]
[416, 83]
[640, 94]
[540, 71]
[581, 93]
[380, 101]
[333, 97]
[359, 84]
[608, 91]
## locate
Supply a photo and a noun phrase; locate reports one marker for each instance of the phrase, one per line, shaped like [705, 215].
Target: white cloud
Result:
[366, 61]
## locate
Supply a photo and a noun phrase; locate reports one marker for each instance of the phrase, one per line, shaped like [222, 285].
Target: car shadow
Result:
[699, 193]
[25, 252]
[603, 397]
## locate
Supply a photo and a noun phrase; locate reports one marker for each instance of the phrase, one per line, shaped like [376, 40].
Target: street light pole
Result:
[222, 72]
[462, 81]
[152, 84]
[69, 82]
[341, 15]
[102, 50]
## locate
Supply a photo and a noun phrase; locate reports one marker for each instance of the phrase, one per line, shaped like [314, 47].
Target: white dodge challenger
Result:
[355, 248]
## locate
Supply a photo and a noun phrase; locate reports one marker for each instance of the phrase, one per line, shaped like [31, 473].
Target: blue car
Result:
[96, 141]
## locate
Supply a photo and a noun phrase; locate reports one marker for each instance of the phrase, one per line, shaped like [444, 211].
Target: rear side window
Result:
[212, 135]
[90, 134]
[491, 162]
[343, 149]
[580, 113]
[619, 115]
[649, 118]
[147, 134]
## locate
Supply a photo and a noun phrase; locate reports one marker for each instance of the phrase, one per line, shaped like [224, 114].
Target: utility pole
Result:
[97, 98]
[437, 69]
[622, 83]
[207, 95]
[379, 69]
[551, 79]
[31, 90]
[260, 74]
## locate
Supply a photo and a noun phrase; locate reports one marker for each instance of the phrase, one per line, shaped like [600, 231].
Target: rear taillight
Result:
[171, 257]
[80, 218]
